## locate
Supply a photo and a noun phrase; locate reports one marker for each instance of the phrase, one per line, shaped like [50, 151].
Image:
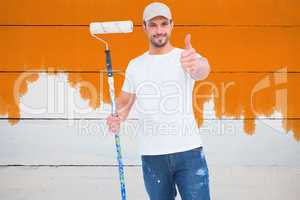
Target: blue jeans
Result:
[188, 170]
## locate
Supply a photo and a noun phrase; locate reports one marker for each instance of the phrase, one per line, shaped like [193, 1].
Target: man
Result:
[160, 82]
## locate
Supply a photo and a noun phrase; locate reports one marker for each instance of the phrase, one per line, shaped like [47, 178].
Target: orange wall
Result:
[253, 48]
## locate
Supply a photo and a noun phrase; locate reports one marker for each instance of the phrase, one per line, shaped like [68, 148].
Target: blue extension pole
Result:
[114, 112]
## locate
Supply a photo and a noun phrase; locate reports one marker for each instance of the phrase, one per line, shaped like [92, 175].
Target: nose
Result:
[159, 30]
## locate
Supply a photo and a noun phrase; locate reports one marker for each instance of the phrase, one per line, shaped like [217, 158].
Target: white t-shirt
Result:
[166, 122]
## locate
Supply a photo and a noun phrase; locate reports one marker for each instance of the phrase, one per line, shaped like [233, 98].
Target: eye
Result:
[166, 23]
[152, 24]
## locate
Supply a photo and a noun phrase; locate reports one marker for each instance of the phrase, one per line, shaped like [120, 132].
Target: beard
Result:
[159, 41]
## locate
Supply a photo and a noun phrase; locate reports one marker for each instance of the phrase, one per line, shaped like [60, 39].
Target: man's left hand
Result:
[191, 62]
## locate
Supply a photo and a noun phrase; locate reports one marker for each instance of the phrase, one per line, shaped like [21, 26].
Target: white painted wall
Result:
[263, 166]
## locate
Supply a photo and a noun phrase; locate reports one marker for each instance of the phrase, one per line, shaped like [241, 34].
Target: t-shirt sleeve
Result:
[129, 84]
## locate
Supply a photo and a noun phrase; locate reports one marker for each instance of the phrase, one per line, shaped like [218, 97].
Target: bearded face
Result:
[159, 31]
[159, 40]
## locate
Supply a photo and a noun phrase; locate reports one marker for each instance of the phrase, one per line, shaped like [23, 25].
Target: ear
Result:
[144, 26]
[172, 23]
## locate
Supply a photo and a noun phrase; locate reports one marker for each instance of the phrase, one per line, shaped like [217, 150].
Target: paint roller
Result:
[111, 27]
[108, 28]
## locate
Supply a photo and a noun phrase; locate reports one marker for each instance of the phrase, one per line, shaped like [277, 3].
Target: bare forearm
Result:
[122, 110]
[124, 104]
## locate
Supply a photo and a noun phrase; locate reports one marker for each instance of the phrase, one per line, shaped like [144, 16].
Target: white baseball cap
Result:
[156, 9]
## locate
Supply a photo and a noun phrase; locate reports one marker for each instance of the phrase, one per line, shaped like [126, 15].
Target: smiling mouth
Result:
[159, 40]
[160, 36]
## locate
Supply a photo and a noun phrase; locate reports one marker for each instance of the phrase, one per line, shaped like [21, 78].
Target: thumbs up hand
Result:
[189, 58]
[192, 62]
[187, 41]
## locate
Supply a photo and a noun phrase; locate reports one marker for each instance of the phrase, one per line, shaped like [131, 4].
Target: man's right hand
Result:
[123, 104]
[113, 123]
